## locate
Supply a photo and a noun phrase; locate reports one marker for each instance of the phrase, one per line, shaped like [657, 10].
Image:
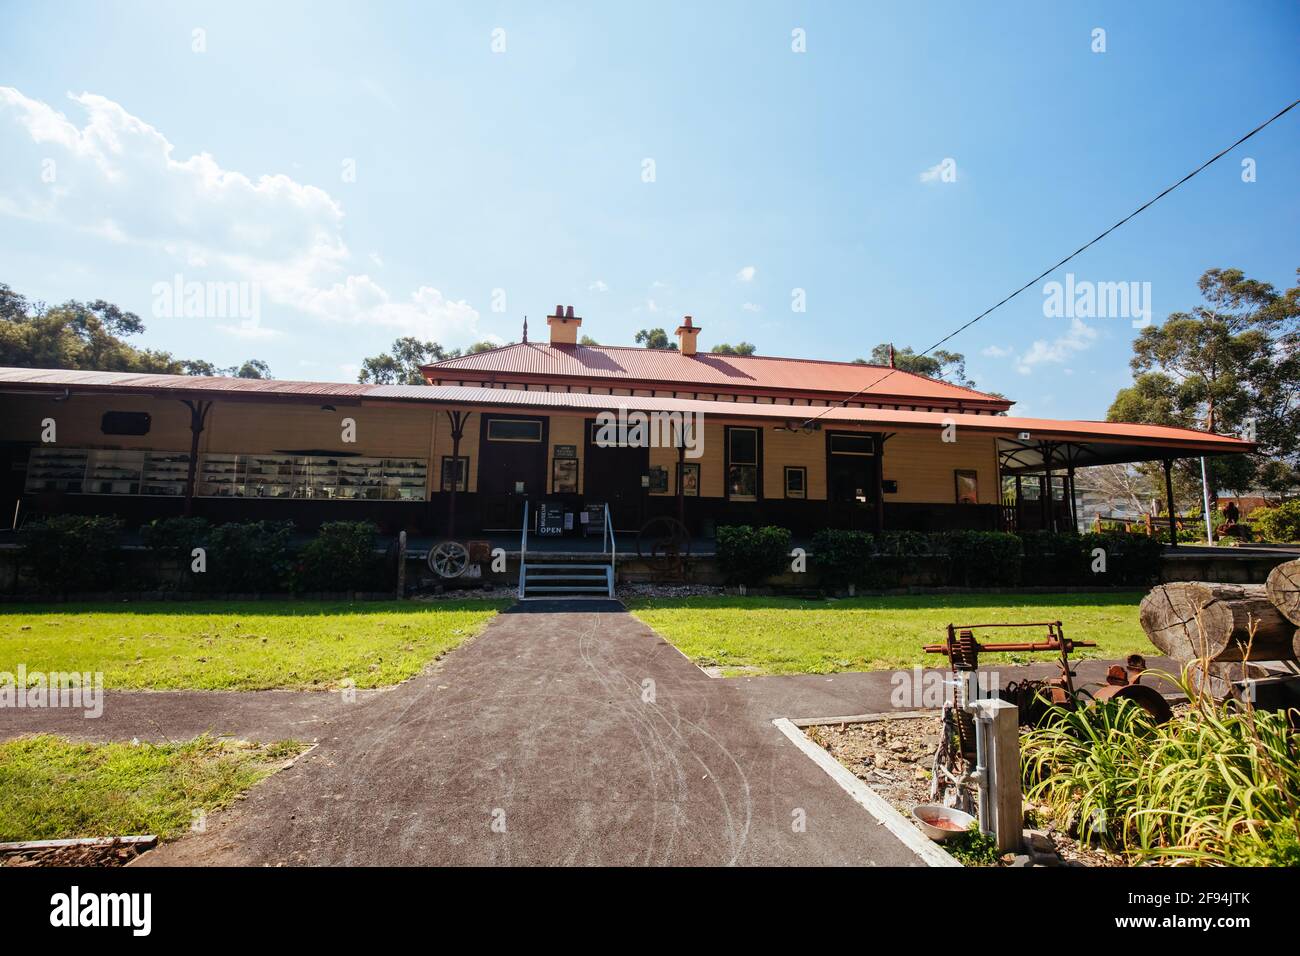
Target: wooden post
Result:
[1074, 505]
[198, 418]
[1002, 752]
[1169, 503]
[878, 519]
[458, 420]
[401, 565]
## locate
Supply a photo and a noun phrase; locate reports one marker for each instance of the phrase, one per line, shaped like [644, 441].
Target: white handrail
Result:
[613, 551]
[523, 549]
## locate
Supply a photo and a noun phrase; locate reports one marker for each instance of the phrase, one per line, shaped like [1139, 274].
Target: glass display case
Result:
[225, 475]
[312, 476]
[55, 469]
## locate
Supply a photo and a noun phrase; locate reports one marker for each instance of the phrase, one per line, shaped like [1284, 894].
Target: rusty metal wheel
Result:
[448, 559]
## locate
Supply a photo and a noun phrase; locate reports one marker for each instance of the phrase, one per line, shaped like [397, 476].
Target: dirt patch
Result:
[895, 758]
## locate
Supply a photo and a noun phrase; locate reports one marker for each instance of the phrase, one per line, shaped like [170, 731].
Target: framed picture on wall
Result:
[564, 476]
[691, 478]
[658, 480]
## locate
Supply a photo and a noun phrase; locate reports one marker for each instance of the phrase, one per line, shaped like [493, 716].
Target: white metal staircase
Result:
[568, 579]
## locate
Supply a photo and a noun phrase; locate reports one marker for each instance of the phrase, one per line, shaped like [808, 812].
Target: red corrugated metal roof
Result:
[704, 369]
[1185, 440]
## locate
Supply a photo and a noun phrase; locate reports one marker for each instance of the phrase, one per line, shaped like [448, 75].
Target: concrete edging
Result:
[929, 852]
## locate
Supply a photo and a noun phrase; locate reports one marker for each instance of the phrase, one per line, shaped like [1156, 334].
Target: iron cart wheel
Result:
[663, 543]
[449, 559]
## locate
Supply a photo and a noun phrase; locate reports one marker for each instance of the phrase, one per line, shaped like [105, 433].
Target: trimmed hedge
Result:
[70, 553]
[250, 557]
[749, 556]
[172, 541]
[341, 558]
[984, 559]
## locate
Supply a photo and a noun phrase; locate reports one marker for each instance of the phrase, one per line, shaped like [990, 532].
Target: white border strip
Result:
[930, 853]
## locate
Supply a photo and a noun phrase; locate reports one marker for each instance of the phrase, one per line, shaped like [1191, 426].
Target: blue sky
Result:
[523, 171]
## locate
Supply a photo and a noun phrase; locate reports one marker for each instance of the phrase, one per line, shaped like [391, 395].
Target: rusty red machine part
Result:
[1122, 683]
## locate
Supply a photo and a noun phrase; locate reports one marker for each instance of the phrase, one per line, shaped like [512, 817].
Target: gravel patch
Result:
[894, 757]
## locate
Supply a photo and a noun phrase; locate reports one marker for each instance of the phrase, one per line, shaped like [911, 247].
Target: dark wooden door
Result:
[612, 475]
[512, 468]
[851, 483]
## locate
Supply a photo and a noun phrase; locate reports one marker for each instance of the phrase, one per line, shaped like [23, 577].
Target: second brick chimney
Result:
[564, 326]
[686, 333]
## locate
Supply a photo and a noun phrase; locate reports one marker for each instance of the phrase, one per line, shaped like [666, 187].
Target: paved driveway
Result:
[566, 733]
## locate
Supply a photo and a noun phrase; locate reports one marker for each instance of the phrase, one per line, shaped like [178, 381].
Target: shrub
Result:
[173, 540]
[73, 552]
[1217, 784]
[749, 556]
[842, 557]
[1064, 558]
[341, 558]
[249, 557]
[982, 558]
[1278, 525]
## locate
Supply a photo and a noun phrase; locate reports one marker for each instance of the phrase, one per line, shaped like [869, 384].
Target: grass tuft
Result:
[53, 789]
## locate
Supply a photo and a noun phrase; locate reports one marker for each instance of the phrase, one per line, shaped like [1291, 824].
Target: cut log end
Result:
[1204, 621]
[1283, 590]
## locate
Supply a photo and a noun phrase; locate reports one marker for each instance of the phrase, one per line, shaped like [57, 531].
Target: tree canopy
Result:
[740, 348]
[940, 365]
[400, 365]
[655, 339]
[1231, 365]
[91, 336]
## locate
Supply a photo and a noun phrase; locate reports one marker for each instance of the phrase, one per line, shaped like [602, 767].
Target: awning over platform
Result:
[1025, 445]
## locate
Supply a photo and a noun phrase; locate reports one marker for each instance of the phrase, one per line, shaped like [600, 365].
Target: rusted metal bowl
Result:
[941, 823]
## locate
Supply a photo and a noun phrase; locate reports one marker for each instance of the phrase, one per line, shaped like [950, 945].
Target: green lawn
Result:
[791, 636]
[52, 789]
[256, 645]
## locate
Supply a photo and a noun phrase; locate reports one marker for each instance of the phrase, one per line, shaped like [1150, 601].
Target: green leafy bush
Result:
[73, 552]
[1217, 784]
[749, 556]
[982, 558]
[173, 540]
[1054, 558]
[841, 557]
[249, 557]
[341, 558]
[1278, 525]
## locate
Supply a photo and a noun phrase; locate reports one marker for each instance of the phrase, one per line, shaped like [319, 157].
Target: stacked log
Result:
[1192, 621]
[1283, 590]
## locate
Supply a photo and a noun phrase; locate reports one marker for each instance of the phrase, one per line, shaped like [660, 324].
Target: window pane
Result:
[742, 481]
[744, 446]
[967, 488]
[513, 429]
[794, 482]
[852, 445]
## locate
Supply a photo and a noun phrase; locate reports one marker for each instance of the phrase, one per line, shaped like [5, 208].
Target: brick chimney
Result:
[564, 326]
[686, 333]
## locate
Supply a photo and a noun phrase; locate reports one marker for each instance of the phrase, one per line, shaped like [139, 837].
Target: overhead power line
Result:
[1050, 269]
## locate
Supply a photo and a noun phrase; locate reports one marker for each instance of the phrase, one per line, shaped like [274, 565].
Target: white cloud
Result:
[996, 351]
[117, 177]
[751, 307]
[746, 274]
[651, 305]
[1079, 337]
[377, 259]
[598, 286]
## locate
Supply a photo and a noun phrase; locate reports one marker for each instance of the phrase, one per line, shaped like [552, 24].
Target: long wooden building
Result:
[800, 443]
